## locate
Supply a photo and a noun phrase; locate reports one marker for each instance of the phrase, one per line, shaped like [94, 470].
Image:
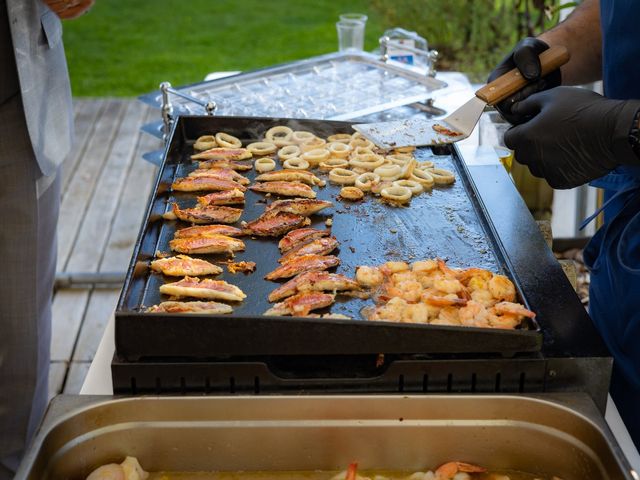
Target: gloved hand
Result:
[574, 135]
[524, 57]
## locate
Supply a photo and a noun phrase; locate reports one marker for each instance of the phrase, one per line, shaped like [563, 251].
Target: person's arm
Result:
[581, 34]
[68, 9]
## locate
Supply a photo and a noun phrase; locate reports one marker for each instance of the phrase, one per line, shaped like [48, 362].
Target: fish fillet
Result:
[182, 265]
[205, 288]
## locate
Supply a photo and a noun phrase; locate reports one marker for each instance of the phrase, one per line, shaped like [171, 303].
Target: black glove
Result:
[575, 135]
[524, 56]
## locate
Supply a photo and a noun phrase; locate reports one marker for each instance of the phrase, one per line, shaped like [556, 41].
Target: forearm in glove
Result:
[574, 135]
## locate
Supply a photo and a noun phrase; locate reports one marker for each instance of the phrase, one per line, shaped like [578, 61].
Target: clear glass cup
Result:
[350, 35]
[354, 17]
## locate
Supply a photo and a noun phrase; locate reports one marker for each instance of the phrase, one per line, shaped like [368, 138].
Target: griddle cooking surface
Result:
[447, 222]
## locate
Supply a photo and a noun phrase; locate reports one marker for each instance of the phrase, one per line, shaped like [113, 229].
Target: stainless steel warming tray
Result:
[559, 435]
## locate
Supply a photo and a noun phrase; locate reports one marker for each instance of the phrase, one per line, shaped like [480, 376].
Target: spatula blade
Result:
[421, 132]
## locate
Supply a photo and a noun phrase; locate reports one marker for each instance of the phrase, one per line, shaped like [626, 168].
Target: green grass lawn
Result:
[125, 48]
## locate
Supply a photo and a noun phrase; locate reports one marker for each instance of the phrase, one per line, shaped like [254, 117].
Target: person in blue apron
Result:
[571, 136]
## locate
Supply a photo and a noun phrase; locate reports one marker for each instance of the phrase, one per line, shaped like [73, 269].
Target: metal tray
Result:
[449, 223]
[561, 435]
[335, 86]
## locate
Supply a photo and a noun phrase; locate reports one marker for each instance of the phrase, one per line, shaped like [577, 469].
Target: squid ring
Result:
[339, 149]
[228, 141]
[290, 151]
[264, 164]
[408, 168]
[442, 176]
[399, 158]
[342, 176]
[339, 137]
[404, 150]
[315, 156]
[296, 163]
[424, 165]
[423, 177]
[368, 161]
[279, 134]
[351, 193]
[366, 180]
[300, 136]
[413, 185]
[387, 172]
[205, 142]
[331, 163]
[262, 148]
[313, 144]
[361, 142]
[396, 194]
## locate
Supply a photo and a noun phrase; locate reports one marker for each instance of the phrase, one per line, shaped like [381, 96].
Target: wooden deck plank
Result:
[57, 372]
[68, 309]
[75, 377]
[92, 236]
[85, 116]
[81, 187]
[99, 310]
[133, 204]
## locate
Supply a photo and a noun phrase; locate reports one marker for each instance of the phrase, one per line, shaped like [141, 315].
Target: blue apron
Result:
[613, 254]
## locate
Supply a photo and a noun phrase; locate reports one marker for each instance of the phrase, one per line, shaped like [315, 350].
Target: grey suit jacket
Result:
[44, 80]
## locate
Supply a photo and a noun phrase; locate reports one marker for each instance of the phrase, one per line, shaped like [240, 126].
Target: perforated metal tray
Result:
[336, 86]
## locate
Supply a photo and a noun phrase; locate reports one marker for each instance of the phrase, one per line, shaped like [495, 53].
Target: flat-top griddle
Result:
[448, 223]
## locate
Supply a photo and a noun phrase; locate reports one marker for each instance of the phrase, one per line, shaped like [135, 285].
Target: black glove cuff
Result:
[634, 134]
[625, 149]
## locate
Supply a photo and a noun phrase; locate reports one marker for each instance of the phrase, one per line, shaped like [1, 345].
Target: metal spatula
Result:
[459, 124]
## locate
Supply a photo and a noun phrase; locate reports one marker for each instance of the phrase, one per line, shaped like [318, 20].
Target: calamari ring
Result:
[262, 148]
[351, 193]
[396, 194]
[404, 149]
[408, 169]
[442, 176]
[315, 156]
[368, 161]
[389, 172]
[228, 141]
[264, 164]
[359, 171]
[338, 149]
[424, 165]
[413, 185]
[377, 187]
[290, 151]
[301, 136]
[399, 158]
[279, 135]
[342, 176]
[361, 151]
[313, 144]
[205, 142]
[339, 137]
[361, 142]
[423, 177]
[331, 163]
[296, 163]
[366, 180]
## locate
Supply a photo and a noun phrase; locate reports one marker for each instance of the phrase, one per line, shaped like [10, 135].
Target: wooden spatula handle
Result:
[509, 83]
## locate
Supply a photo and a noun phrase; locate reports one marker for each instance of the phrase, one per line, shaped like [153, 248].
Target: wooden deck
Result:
[104, 193]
